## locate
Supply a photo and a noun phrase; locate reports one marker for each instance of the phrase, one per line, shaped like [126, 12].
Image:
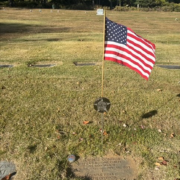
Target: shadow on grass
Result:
[69, 171]
[19, 29]
[70, 174]
[32, 148]
[154, 112]
[13, 28]
[149, 114]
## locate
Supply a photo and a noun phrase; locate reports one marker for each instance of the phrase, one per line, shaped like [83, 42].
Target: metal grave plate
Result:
[169, 66]
[84, 64]
[42, 65]
[115, 168]
[6, 66]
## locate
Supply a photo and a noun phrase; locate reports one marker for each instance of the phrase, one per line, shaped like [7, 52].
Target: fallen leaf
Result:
[6, 178]
[164, 163]
[172, 135]
[86, 122]
[142, 127]
[157, 164]
[161, 158]
[90, 136]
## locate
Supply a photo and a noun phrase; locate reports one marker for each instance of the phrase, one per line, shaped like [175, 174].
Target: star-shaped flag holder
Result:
[102, 105]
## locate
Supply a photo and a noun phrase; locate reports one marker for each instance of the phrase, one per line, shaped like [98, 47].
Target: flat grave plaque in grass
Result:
[86, 63]
[42, 65]
[114, 168]
[169, 66]
[6, 66]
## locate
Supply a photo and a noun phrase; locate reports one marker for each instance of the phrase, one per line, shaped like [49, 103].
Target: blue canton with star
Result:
[115, 32]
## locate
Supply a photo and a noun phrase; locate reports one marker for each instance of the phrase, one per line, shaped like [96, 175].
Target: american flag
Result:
[125, 47]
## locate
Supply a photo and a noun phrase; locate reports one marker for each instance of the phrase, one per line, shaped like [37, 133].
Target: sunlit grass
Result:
[42, 109]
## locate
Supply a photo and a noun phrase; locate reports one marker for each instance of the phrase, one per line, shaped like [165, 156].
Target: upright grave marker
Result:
[100, 12]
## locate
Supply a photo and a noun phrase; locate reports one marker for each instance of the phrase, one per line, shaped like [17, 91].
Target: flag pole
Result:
[103, 53]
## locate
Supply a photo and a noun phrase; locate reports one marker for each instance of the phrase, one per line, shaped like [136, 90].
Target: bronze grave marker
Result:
[105, 168]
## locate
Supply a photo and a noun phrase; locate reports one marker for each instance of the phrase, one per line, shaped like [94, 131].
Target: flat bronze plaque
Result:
[169, 66]
[115, 168]
[42, 65]
[6, 66]
[87, 63]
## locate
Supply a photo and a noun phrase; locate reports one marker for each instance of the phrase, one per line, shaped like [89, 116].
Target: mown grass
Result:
[42, 109]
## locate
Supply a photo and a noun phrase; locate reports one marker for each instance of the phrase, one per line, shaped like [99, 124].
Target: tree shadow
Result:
[21, 29]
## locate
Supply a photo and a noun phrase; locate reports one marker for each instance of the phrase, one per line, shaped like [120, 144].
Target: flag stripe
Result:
[140, 40]
[136, 48]
[123, 56]
[126, 56]
[131, 66]
[125, 47]
[110, 46]
[140, 49]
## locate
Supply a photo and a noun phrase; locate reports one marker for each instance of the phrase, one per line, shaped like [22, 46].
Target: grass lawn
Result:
[42, 110]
